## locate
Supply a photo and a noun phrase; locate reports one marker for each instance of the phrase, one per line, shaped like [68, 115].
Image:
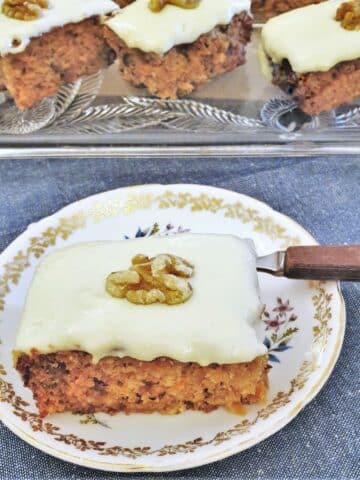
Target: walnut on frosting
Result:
[25, 10]
[348, 14]
[160, 279]
[158, 5]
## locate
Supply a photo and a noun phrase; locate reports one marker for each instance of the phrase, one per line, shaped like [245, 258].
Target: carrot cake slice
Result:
[45, 43]
[313, 53]
[173, 50]
[145, 325]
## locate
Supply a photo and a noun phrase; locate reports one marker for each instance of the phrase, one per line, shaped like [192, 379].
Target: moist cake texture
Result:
[60, 56]
[265, 9]
[181, 49]
[63, 44]
[320, 91]
[70, 381]
[80, 348]
[318, 64]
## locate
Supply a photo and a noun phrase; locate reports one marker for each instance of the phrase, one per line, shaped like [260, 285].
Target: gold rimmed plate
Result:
[303, 327]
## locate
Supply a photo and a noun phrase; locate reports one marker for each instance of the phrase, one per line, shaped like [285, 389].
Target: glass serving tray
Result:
[238, 113]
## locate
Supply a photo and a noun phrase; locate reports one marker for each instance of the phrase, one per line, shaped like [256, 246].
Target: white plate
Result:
[311, 315]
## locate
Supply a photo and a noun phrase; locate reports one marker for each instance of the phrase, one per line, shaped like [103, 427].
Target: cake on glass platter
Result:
[46, 43]
[313, 53]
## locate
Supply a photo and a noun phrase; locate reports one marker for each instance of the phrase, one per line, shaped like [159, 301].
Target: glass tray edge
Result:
[165, 151]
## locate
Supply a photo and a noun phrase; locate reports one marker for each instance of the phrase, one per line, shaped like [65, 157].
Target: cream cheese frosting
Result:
[141, 28]
[310, 38]
[17, 34]
[67, 306]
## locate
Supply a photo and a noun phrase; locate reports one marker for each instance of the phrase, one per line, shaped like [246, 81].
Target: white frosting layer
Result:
[58, 14]
[141, 28]
[310, 38]
[68, 308]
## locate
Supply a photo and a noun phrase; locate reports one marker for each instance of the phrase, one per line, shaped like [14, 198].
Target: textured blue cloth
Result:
[321, 194]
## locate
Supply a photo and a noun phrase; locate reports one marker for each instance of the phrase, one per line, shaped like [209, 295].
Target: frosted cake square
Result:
[145, 325]
[46, 43]
[313, 54]
[173, 51]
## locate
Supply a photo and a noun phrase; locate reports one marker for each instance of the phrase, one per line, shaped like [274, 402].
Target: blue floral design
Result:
[280, 332]
[155, 229]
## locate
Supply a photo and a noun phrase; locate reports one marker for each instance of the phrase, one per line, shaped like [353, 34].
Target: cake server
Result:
[313, 263]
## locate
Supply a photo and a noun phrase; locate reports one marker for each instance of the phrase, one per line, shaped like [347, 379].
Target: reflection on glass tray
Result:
[237, 108]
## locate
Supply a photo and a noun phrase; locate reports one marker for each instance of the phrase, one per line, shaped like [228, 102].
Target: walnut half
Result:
[25, 10]
[161, 279]
[157, 5]
[348, 14]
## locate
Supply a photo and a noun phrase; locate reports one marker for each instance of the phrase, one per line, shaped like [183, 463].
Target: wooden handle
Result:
[323, 263]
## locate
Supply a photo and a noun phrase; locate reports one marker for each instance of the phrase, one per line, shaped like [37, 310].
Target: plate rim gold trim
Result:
[283, 421]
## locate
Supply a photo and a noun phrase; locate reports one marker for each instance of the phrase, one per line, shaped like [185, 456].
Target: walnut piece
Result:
[158, 5]
[348, 14]
[161, 279]
[25, 10]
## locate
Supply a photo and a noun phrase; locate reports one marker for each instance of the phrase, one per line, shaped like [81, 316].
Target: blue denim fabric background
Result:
[321, 194]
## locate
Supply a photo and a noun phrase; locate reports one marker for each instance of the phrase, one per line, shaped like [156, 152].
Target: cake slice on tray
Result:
[313, 53]
[146, 325]
[172, 50]
[46, 43]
